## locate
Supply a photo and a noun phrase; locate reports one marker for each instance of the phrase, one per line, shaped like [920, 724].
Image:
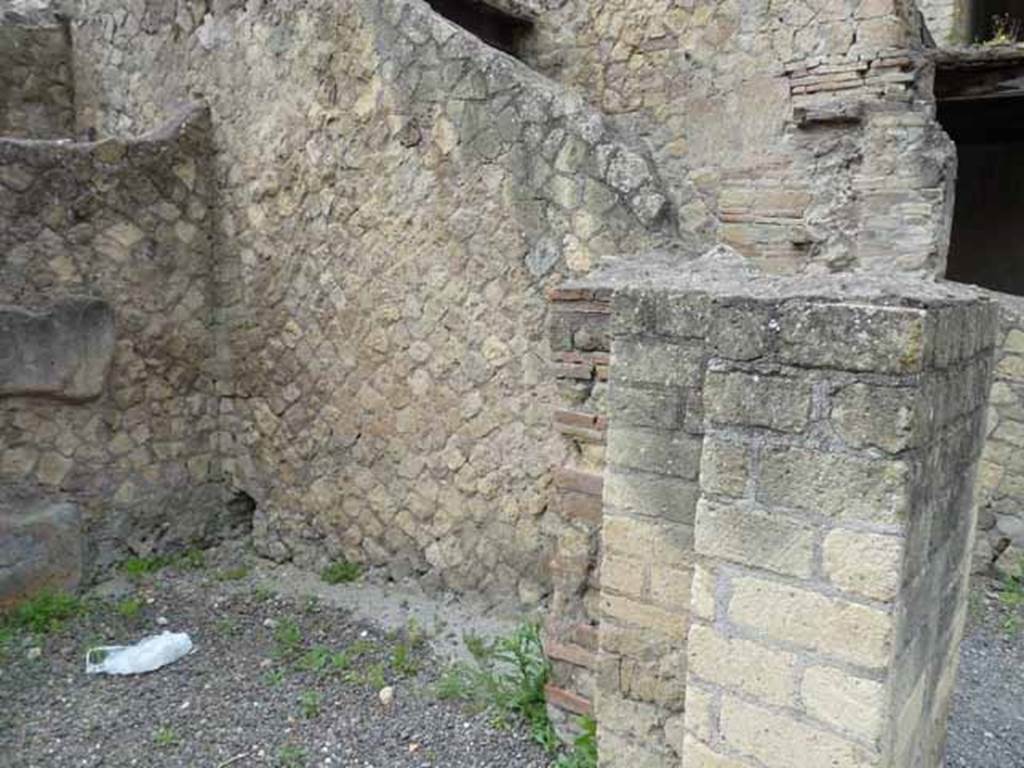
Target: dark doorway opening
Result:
[985, 119]
[496, 28]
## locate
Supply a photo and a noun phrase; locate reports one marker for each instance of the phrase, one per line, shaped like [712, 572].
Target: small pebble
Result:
[34, 653]
[162, 621]
[386, 695]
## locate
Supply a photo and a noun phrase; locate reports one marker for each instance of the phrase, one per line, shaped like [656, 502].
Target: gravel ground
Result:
[241, 699]
[986, 728]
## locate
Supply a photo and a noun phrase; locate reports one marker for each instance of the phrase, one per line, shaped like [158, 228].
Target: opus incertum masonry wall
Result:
[787, 519]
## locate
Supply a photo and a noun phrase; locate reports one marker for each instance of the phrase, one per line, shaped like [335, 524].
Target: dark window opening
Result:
[498, 29]
[999, 21]
[987, 241]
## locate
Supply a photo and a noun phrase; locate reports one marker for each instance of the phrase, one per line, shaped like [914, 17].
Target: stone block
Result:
[698, 755]
[654, 450]
[652, 361]
[635, 407]
[724, 467]
[875, 417]
[764, 673]
[788, 614]
[671, 625]
[847, 702]
[668, 543]
[699, 718]
[64, 353]
[834, 484]
[41, 548]
[864, 563]
[741, 533]
[853, 337]
[778, 741]
[647, 495]
[750, 399]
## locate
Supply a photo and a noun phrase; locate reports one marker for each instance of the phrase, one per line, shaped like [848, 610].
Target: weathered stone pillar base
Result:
[803, 453]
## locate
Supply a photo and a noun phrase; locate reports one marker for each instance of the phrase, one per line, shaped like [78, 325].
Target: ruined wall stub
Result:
[108, 407]
[788, 520]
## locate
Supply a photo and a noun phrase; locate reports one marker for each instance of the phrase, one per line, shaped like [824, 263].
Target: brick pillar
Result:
[833, 531]
[578, 335]
[797, 600]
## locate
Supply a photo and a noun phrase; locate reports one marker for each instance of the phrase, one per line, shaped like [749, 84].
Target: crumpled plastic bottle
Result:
[149, 654]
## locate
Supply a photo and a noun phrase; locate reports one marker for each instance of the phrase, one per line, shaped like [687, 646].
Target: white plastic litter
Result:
[147, 655]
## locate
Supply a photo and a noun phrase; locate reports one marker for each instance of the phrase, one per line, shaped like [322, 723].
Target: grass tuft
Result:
[44, 613]
[507, 678]
[1011, 595]
[341, 572]
[165, 737]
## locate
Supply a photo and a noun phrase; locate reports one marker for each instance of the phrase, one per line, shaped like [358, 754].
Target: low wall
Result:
[107, 400]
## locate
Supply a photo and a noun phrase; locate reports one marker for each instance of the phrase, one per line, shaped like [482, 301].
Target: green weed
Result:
[310, 703]
[141, 566]
[192, 559]
[274, 677]
[1011, 595]
[233, 574]
[263, 594]
[129, 608]
[291, 757]
[288, 637]
[165, 737]
[315, 659]
[44, 613]
[402, 663]
[583, 753]
[341, 571]
[507, 677]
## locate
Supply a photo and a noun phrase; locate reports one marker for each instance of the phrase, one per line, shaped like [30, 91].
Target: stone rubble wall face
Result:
[124, 224]
[393, 198]
[801, 601]
[36, 84]
[807, 129]
[1000, 492]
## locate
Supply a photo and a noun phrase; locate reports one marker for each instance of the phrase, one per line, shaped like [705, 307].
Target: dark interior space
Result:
[992, 18]
[499, 30]
[987, 243]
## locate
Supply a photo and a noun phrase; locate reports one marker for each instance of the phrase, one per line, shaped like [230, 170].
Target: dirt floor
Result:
[288, 671]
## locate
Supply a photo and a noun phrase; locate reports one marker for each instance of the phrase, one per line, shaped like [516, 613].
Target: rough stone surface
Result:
[64, 353]
[109, 390]
[36, 81]
[394, 197]
[41, 548]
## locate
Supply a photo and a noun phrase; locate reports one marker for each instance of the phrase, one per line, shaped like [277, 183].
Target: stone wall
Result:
[1000, 495]
[393, 198]
[107, 397]
[827, 540]
[36, 88]
[808, 129]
